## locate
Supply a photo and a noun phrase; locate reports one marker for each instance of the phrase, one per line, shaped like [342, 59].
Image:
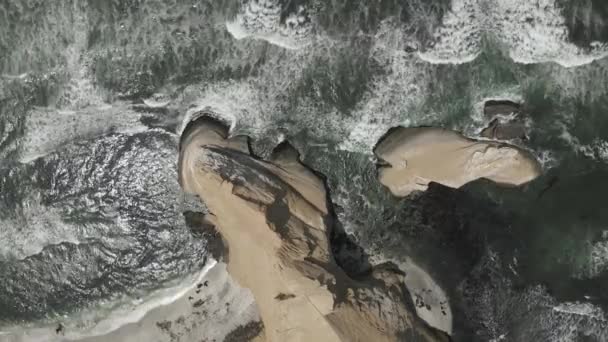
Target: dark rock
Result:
[200, 226]
[505, 107]
[198, 303]
[502, 128]
[245, 332]
[284, 296]
[165, 326]
[505, 131]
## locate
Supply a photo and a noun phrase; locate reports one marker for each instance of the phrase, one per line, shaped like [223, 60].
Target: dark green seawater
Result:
[93, 94]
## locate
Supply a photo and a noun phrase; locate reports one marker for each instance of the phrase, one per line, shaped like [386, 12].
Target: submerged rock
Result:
[414, 157]
[275, 217]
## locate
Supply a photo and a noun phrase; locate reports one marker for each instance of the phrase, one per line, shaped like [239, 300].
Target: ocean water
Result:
[93, 94]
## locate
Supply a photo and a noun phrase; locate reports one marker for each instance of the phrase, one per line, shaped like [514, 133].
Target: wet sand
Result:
[215, 309]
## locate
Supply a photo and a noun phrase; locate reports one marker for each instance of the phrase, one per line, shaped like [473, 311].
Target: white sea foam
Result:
[596, 150]
[599, 259]
[587, 82]
[37, 228]
[596, 258]
[261, 19]
[108, 316]
[392, 100]
[202, 110]
[458, 40]
[221, 105]
[238, 104]
[48, 129]
[581, 309]
[479, 120]
[129, 314]
[532, 31]
[547, 159]
[158, 100]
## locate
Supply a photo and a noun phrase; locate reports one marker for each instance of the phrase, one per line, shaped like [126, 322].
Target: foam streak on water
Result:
[532, 31]
[261, 19]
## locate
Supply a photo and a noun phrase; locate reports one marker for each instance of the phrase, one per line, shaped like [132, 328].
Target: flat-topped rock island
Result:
[411, 158]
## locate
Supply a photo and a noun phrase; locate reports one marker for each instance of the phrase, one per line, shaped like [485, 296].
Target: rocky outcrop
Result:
[275, 219]
[500, 130]
[411, 158]
[507, 121]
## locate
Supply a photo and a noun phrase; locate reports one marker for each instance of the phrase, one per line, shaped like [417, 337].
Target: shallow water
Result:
[90, 207]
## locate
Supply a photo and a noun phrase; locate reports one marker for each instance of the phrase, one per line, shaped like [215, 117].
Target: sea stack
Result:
[275, 219]
[411, 158]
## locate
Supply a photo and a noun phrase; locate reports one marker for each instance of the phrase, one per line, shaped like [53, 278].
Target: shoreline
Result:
[117, 319]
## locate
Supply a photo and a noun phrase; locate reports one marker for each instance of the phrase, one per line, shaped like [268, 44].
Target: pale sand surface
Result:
[205, 314]
[418, 156]
[274, 218]
[208, 313]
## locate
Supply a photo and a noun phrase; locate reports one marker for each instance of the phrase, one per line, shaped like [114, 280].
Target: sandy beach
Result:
[216, 309]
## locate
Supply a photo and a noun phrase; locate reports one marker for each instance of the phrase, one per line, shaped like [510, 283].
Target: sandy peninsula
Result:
[275, 220]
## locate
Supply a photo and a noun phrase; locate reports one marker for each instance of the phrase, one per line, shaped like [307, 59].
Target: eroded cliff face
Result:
[275, 219]
[414, 157]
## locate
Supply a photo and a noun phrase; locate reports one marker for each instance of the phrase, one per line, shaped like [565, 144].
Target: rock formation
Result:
[411, 158]
[507, 121]
[275, 219]
[493, 108]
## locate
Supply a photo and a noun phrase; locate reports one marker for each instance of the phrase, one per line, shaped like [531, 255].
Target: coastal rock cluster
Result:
[507, 121]
[276, 221]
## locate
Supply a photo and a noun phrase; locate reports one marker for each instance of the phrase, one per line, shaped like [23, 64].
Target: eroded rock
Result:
[275, 219]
